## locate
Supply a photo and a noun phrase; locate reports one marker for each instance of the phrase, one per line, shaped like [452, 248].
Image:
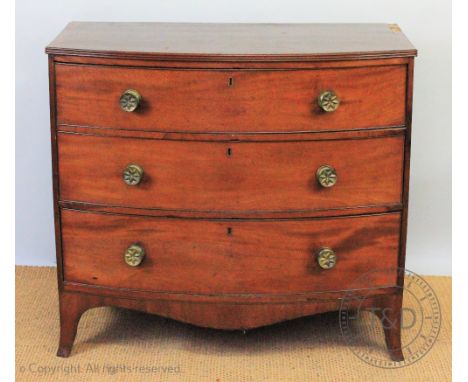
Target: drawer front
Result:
[228, 178]
[203, 256]
[231, 101]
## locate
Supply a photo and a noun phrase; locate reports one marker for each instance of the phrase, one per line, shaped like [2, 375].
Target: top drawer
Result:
[231, 100]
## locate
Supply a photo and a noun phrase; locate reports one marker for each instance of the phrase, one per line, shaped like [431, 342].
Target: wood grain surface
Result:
[203, 176]
[256, 100]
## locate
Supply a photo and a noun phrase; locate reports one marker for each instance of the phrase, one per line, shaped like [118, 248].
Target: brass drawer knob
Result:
[134, 255]
[328, 101]
[326, 176]
[133, 174]
[326, 258]
[129, 100]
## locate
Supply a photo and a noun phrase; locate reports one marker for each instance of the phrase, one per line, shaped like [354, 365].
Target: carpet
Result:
[120, 345]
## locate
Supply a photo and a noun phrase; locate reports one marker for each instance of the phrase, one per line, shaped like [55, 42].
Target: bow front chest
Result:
[230, 175]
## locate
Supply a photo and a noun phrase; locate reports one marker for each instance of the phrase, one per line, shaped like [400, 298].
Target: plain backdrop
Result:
[427, 23]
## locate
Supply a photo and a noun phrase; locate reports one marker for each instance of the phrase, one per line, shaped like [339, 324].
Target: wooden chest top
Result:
[248, 42]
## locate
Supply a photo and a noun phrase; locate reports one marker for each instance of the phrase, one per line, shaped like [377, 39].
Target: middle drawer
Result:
[230, 177]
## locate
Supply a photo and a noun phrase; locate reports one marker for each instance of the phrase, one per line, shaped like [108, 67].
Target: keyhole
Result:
[229, 231]
[229, 152]
[231, 82]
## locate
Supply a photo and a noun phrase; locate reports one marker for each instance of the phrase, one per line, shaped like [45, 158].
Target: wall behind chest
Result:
[429, 230]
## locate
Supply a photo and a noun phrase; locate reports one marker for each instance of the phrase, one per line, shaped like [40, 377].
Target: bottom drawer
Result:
[229, 257]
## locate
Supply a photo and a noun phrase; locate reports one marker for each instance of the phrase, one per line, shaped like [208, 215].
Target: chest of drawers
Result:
[230, 175]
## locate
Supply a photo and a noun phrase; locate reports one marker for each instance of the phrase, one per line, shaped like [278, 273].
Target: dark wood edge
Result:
[233, 137]
[231, 57]
[358, 65]
[229, 215]
[406, 171]
[55, 172]
[227, 66]
[237, 298]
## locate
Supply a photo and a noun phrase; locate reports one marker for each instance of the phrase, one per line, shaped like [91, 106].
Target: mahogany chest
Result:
[230, 175]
